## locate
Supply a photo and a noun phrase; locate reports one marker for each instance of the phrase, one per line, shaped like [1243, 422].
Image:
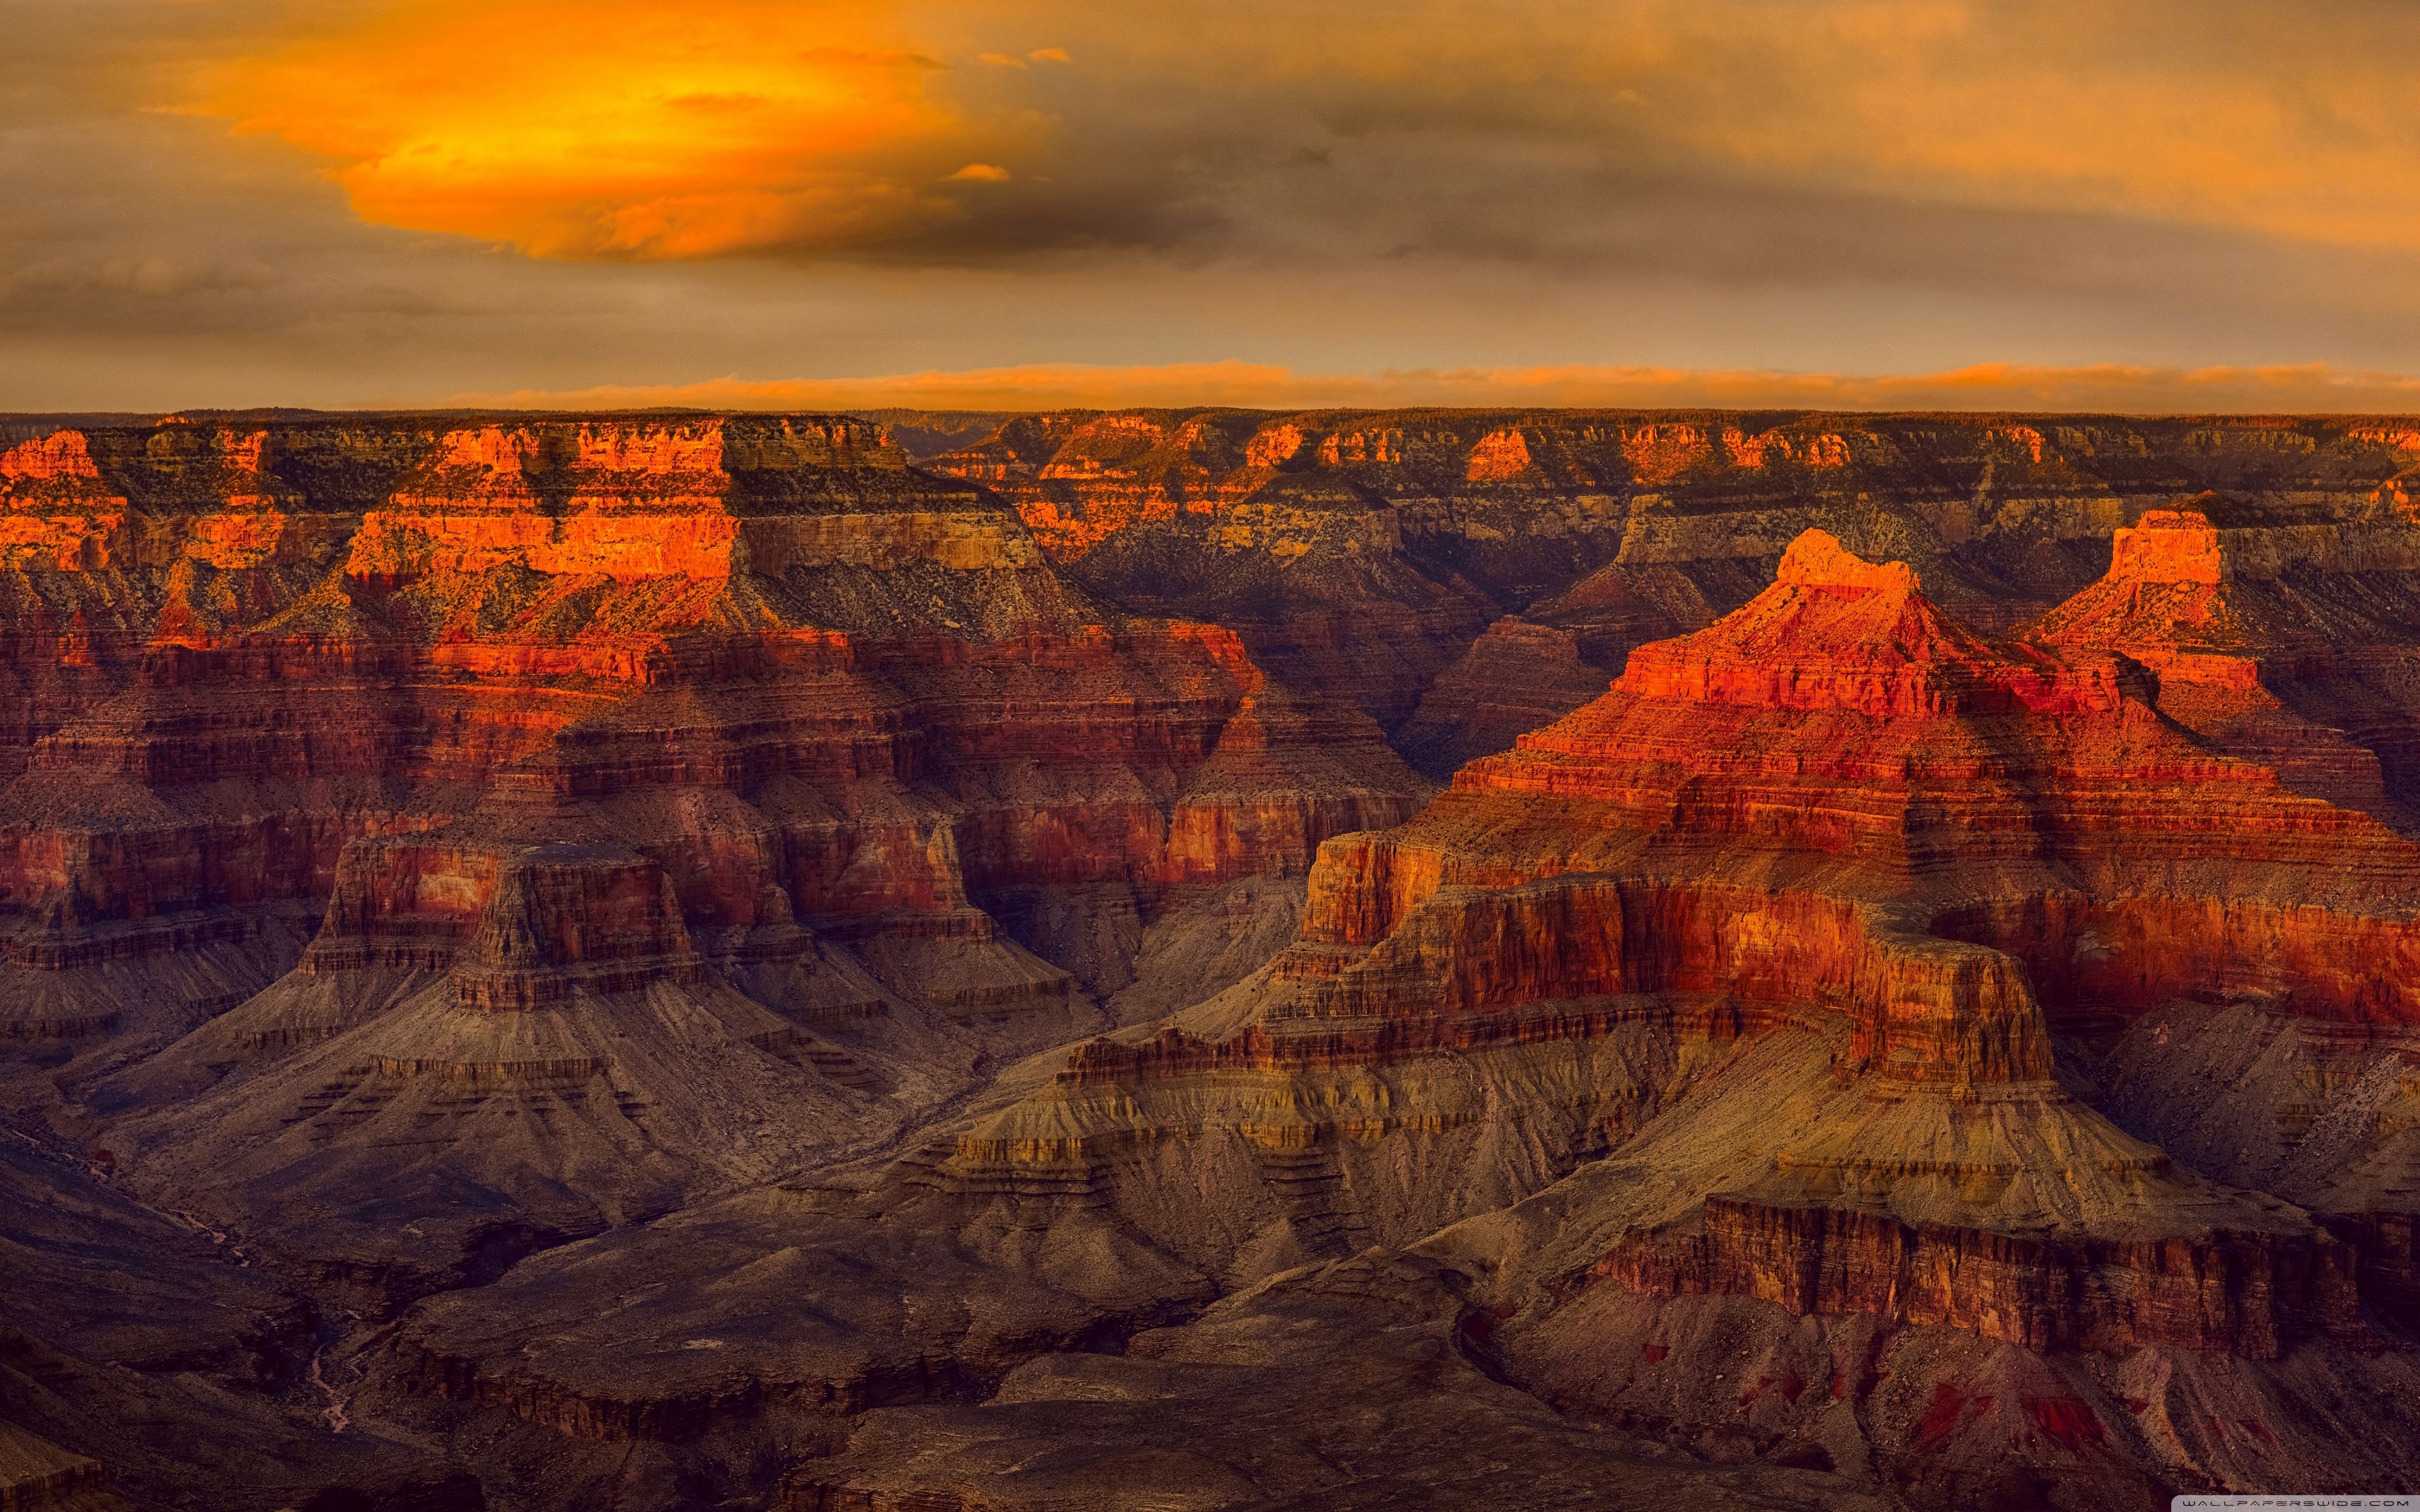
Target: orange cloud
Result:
[614, 128]
[2312, 387]
[635, 129]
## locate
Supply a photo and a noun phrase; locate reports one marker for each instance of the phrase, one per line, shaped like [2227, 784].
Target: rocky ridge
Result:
[1828, 871]
[705, 963]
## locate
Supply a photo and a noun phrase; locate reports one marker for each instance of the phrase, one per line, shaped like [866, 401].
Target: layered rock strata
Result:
[2292, 646]
[1934, 1031]
[1764, 904]
[485, 1046]
[557, 740]
[1361, 552]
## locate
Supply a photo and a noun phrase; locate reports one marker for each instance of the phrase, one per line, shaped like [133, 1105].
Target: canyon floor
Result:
[1207, 958]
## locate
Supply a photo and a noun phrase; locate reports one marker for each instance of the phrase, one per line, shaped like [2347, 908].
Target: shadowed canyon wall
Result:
[701, 960]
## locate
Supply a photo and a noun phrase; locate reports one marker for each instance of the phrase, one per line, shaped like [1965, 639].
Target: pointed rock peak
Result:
[1818, 560]
[1837, 632]
[2168, 546]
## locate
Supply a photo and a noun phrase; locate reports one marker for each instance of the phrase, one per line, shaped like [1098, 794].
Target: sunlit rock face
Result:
[417, 742]
[1362, 554]
[1792, 919]
[389, 608]
[698, 961]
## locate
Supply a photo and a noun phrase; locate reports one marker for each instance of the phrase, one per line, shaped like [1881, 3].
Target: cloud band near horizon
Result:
[2311, 388]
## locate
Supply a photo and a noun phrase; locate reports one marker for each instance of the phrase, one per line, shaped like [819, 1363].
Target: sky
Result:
[2135, 205]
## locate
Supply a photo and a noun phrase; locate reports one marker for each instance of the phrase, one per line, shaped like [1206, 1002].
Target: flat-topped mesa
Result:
[402, 903]
[1837, 632]
[2169, 546]
[1922, 1010]
[2165, 602]
[567, 918]
[525, 923]
[1818, 560]
[2182, 582]
[2278, 643]
[2254, 1293]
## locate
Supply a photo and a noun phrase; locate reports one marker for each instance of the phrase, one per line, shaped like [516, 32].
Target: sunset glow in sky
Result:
[2136, 204]
[613, 131]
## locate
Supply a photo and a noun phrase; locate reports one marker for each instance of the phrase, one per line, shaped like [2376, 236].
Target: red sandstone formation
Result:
[543, 706]
[1839, 822]
[558, 599]
[1324, 540]
[1885, 1004]
[2289, 647]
